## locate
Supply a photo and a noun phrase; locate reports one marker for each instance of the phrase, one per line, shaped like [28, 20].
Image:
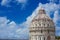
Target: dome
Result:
[42, 20]
[41, 15]
[42, 27]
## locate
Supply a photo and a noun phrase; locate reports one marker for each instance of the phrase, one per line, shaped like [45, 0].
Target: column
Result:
[33, 37]
[46, 38]
[42, 38]
[39, 37]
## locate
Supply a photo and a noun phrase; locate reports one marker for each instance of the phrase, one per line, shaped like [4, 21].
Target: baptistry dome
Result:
[42, 27]
[42, 20]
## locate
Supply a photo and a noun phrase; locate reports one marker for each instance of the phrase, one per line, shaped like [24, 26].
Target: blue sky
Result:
[16, 15]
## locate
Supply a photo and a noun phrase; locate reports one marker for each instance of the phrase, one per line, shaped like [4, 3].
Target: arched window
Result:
[48, 38]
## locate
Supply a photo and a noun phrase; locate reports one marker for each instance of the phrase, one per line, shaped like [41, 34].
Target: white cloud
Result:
[12, 24]
[23, 33]
[7, 2]
[56, 16]
[56, 20]
[9, 29]
[3, 21]
[57, 28]
[23, 2]
[57, 31]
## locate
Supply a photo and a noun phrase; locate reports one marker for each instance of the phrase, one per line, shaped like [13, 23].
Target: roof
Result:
[41, 15]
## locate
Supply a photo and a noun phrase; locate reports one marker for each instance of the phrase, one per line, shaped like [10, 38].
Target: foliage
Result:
[57, 37]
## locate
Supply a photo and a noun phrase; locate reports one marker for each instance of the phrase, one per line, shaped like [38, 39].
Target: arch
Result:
[48, 38]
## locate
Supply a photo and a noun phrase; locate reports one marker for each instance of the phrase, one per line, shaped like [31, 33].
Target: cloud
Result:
[50, 8]
[57, 31]
[23, 2]
[23, 33]
[56, 20]
[56, 16]
[7, 3]
[11, 30]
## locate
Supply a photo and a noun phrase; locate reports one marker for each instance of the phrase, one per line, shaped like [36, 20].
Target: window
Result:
[48, 38]
[39, 24]
[44, 38]
[44, 24]
[48, 31]
[41, 31]
[48, 24]
[36, 24]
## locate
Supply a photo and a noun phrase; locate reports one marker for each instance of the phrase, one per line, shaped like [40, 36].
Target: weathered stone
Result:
[42, 27]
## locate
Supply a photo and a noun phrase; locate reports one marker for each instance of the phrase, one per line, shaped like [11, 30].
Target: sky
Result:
[16, 15]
